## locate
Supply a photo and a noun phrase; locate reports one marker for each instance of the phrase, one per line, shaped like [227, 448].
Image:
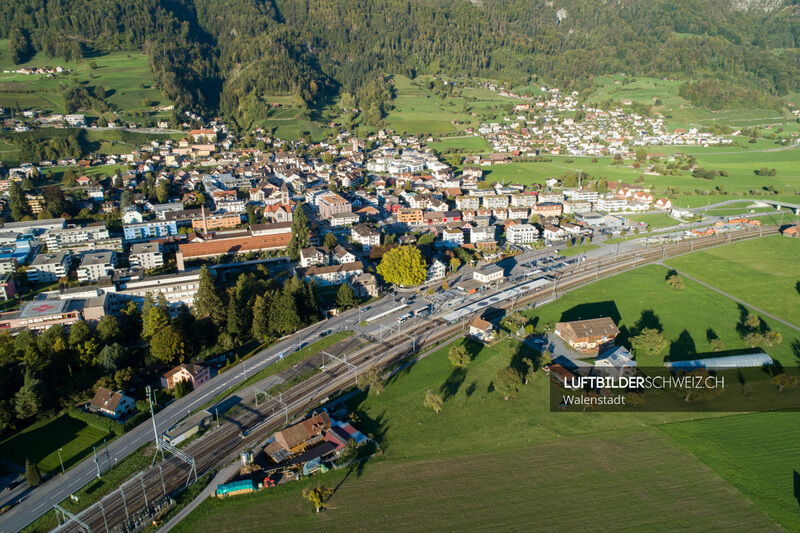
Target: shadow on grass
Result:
[453, 383]
[592, 310]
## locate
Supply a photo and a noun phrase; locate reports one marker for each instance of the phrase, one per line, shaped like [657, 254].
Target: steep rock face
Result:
[767, 6]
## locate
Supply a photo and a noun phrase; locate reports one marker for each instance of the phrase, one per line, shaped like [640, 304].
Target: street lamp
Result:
[60, 460]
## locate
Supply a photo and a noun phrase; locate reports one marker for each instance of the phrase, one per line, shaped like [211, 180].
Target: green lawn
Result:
[655, 221]
[40, 443]
[577, 250]
[627, 298]
[762, 272]
[758, 454]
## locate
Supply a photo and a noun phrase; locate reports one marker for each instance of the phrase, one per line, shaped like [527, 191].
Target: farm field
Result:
[503, 490]
[762, 272]
[616, 298]
[757, 454]
[40, 442]
[127, 74]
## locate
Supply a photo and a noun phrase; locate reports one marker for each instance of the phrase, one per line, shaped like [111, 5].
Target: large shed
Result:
[750, 360]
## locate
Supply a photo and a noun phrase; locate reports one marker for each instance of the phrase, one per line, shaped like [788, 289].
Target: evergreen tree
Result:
[112, 358]
[154, 317]
[237, 324]
[17, 202]
[132, 321]
[261, 311]
[299, 238]
[330, 241]
[29, 399]
[207, 303]
[346, 298]
[32, 474]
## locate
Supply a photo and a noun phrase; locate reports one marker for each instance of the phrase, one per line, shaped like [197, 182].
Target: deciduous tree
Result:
[433, 401]
[649, 342]
[507, 382]
[318, 495]
[403, 266]
[459, 356]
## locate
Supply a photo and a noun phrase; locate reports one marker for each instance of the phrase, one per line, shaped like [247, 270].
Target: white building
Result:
[47, 268]
[521, 233]
[436, 270]
[57, 239]
[147, 255]
[453, 237]
[365, 236]
[95, 265]
[610, 205]
[488, 274]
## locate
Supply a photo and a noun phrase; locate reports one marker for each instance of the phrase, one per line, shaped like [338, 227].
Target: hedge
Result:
[107, 424]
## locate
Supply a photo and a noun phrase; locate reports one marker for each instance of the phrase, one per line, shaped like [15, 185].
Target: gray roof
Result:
[718, 363]
[145, 248]
[96, 258]
[49, 258]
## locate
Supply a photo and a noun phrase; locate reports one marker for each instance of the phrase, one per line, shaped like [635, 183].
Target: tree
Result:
[182, 388]
[154, 317]
[752, 321]
[717, 345]
[126, 198]
[79, 333]
[32, 474]
[641, 155]
[108, 329]
[29, 399]
[318, 495]
[346, 298]
[753, 339]
[773, 337]
[784, 381]
[132, 320]
[433, 401]
[459, 356]
[112, 358]
[19, 45]
[299, 239]
[649, 342]
[372, 378]
[403, 266]
[330, 241]
[675, 280]
[162, 192]
[207, 303]
[454, 264]
[706, 386]
[167, 345]
[507, 382]
[426, 238]
[634, 398]
[70, 179]
[17, 202]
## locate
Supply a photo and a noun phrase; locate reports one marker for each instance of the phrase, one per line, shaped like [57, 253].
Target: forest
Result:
[228, 57]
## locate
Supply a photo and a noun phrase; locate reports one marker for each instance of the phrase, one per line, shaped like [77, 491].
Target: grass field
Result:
[486, 462]
[762, 272]
[658, 220]
[627, 297]
[577, 250]
[127, 74]
[757, 454]
[550, 487]
[40, 443]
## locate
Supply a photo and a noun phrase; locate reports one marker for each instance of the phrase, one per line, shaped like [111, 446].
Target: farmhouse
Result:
[111, 404]
[587, 335]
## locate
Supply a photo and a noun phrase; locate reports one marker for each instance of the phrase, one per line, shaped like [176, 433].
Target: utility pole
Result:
[61, 461]
[96, 462]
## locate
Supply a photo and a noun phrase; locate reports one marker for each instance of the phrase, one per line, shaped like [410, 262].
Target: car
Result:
[13, 485]
[325, 333]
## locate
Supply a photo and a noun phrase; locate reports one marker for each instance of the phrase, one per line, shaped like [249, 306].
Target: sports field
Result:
[40, 443]
[757, 454]
[762, 272]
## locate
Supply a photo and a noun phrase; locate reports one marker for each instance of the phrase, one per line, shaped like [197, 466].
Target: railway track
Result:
[132, 506]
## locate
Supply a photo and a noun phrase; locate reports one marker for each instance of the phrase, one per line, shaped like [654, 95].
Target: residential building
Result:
[345, 218]
[177, 288]
[213, 221]
[495, 201]
[62, 238]
[195, 374]
[575, 206]
[342, 255]
[482, 234]
[610, 205]
[147, 255]
[314, 256]
[411, 217]
[95, 265]
[7, 287]
[453, 237]
[149, 230]
[47, 268]
[616, 361]
[110, 404]
[436, 270]
[547, 209]
[332, 204]
[481, 329]
[366, 236]
[587, 335]
[364, 285]
[331, 275]
[522, 233]
[464, 203]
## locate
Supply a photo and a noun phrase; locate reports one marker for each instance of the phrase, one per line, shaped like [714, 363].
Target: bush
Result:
[96, 421]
